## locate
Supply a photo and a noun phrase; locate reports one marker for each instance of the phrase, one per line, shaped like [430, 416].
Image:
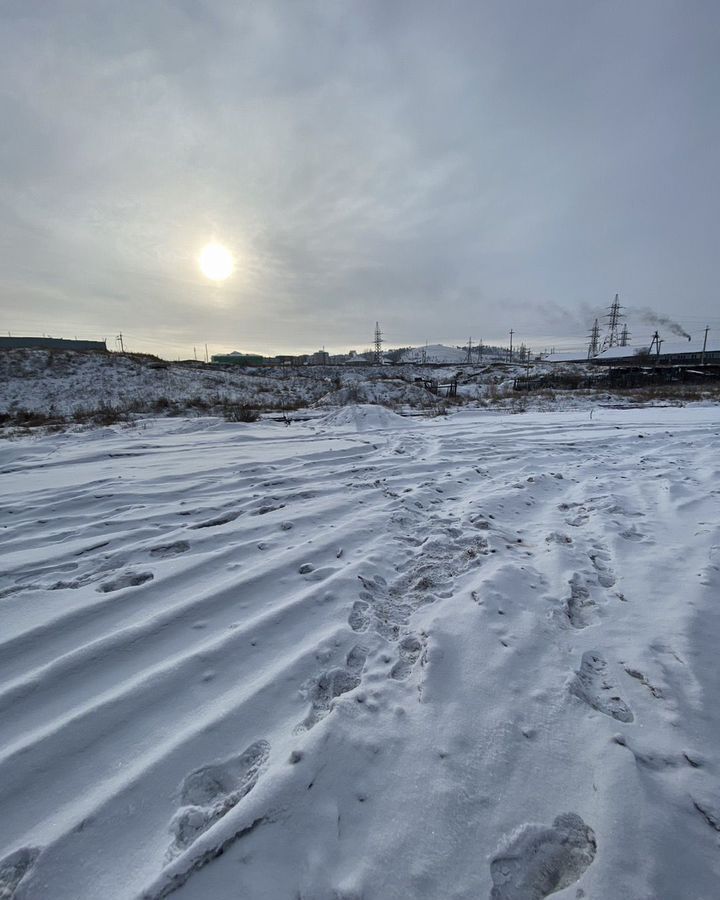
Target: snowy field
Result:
[363, 658]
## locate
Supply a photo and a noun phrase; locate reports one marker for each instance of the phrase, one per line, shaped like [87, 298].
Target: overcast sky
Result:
[449, 169]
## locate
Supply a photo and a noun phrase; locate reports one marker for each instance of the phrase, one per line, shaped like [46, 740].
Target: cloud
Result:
[447, 171]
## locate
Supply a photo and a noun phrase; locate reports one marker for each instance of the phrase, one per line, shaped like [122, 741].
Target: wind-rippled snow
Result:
[363, 657]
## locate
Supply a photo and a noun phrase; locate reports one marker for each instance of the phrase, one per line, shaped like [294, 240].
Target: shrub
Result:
[240, 412]
[106, 414]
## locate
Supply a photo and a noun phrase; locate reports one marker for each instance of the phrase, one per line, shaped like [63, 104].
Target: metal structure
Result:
[656, 343]
[594, 336]
[377, 355]
[612, 338]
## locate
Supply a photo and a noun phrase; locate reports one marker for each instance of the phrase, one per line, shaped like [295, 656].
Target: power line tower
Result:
[594, 336]
[468, 358]
[612, 338]
[624, 336]
[377, 356]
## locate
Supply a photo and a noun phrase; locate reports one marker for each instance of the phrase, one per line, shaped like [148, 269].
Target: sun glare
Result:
[216, 262]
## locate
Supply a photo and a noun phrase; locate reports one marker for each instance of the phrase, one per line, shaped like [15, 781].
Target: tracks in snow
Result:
[178, 633]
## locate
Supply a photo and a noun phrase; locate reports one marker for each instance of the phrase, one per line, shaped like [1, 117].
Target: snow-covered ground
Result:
[64, 385]
[363, 657]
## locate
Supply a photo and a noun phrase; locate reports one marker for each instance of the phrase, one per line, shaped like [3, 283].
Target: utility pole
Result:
[480, 351]
[378, 345]
[656, 342]
[195, 352]
[511, 334]
[206, 354]
[702, 358]
[120, 339]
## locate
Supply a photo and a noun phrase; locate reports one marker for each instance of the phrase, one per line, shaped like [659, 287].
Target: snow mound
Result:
[435, 353]
[363, 417]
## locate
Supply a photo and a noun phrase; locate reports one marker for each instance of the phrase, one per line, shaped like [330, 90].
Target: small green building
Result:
[239, 359]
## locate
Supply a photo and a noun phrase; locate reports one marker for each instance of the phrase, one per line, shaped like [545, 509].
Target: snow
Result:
[389, 391]
[364, 657]
[435, 353]
[566, 357]
[65, 384]
[363, 417]
[666, 348]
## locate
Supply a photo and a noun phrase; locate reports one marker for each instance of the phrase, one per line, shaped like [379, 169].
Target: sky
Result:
[450, 170]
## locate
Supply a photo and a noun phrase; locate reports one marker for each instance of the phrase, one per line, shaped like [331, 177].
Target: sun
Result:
[216, 262]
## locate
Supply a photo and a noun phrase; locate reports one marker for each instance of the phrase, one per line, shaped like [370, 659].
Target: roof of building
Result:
[46, 343]
[667, 348]
[570, 356]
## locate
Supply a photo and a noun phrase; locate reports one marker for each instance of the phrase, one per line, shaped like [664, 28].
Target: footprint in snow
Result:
[359, 619]
[600, 557]
[167, 551]
[410, 649]
[331, 684]
[579, 606]
[208, 793]
[218, 520]
[540, 860]
[129, 579]
[593, 685]
[557, 537]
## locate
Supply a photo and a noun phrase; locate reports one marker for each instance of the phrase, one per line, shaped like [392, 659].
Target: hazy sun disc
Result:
[216, 262]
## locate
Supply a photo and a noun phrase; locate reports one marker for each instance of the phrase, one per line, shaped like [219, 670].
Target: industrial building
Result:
[239, 359]
[46, 343]
[702, 352]
[662, 353]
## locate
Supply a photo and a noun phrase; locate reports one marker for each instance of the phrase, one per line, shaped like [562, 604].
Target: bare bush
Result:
[240, 412]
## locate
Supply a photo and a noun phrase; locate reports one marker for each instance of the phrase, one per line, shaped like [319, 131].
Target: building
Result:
[46, 343]
[669, 353]
[580, 356]
[239, 359]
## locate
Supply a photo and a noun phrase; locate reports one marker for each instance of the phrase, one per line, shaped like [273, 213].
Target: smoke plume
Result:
[647, 315]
